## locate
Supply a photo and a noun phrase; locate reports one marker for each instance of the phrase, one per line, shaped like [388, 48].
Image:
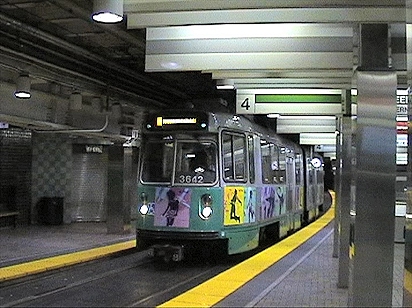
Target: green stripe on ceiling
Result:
[298, 98]
[354, 98]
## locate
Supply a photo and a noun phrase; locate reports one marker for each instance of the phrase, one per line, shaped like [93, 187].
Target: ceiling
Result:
[169, 53]
[57, 41]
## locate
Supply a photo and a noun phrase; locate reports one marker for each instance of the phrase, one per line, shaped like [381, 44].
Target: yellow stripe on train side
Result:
[215, 289]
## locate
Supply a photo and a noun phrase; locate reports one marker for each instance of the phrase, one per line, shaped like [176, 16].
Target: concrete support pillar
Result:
[407, 286]
[344, 160]
[373, 225]
[118, 210]
[345, 200]
[338, 188]
[341, 157]
[129, 185]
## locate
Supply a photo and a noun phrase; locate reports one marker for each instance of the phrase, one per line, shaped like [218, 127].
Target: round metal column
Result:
[372, 231]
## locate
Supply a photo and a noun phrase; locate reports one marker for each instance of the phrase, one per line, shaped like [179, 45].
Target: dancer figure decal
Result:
[234, 205]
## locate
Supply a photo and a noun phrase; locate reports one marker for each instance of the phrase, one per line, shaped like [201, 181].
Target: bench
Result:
[7, 216]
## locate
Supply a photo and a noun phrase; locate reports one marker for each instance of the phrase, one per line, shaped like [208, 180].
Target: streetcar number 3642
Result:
[189, 179]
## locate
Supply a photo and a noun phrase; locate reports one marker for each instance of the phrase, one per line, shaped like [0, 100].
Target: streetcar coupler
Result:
[167, 252]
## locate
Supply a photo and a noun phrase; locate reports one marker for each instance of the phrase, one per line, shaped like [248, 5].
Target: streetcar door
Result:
[290, 180]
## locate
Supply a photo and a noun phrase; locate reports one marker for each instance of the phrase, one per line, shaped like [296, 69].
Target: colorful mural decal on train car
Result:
[234, 205]
[272, 201]
[172, 207]
[250, 205]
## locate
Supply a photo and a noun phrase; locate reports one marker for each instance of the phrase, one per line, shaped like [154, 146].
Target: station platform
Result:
[300, 271]
[37, 248]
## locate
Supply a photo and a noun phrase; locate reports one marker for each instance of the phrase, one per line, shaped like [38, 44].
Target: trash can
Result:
[50, 210]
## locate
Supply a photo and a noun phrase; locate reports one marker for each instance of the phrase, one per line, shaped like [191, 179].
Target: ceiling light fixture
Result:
[225, 84]
[23, 86]
[75, 101]
[97, 104]
[107, 11]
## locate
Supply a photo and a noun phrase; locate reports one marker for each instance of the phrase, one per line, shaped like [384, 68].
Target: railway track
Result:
[126, 279]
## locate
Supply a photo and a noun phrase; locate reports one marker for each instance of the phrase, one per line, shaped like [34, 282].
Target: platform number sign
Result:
[245, 103]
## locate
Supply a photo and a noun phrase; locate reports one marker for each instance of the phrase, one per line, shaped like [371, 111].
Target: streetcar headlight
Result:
[144, 208]
[206, 212]
[205, 209]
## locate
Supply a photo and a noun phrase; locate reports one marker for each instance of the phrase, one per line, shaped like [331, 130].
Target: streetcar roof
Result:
[217, 121]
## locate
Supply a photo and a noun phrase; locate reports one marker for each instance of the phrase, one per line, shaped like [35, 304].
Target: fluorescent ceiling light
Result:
[398, 92]
[229, 31]
[107, 11]
[225, 84]
[23, 86]
[171, 65]
[225, 87]
[307, 118]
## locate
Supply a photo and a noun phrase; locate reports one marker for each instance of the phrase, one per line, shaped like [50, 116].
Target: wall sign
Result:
[94, 149]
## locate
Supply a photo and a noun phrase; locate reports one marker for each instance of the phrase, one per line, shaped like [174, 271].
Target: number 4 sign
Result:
[245, 103]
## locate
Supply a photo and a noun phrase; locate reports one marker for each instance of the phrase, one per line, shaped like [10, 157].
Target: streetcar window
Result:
[282, 166]
[266, 162]
[157, 158]
[239, 157]
[311, 176]
[234, 156]
[298, 168]
[227, 157]
[195, 162]
[290, 168]
[270, 163]
[274, 166]
[251, 150]
[319, 176]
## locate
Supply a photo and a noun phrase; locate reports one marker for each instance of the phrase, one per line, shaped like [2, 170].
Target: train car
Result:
[215, 182]
[314, 184]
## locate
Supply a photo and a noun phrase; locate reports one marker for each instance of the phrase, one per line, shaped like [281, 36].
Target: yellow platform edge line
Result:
[55, 262]
[205, 295]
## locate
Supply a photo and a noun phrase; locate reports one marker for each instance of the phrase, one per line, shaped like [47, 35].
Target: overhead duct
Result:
[82, 63]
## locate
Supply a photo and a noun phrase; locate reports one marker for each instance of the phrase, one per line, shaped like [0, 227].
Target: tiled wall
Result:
[35, 165]
[15, 172]
[51, 170]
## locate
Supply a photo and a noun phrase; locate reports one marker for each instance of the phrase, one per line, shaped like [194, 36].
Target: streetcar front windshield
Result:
[195, 162]
[157, 162]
